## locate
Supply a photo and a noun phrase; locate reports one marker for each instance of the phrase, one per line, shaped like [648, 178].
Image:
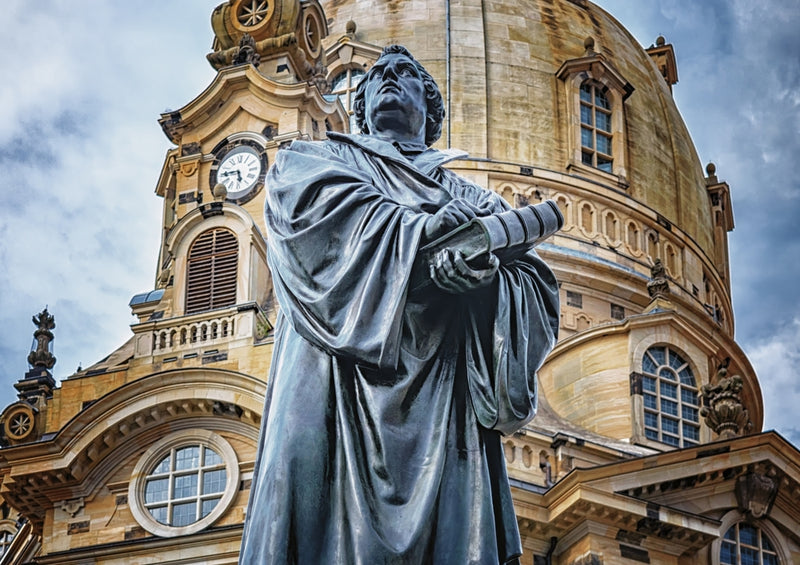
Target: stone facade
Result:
[624, 462]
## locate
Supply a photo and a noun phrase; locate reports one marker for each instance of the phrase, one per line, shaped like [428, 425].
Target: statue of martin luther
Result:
[380, 441]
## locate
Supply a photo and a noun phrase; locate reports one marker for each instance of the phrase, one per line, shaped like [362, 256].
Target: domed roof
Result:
[507, 103]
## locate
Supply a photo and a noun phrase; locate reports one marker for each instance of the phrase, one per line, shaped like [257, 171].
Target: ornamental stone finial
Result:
[659, 281]
[41, 355]
[247, 54]
[284, 36]
[588, 45]
[723, 409]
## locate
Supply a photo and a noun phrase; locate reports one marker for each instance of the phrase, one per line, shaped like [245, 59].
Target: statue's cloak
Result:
[380, 441]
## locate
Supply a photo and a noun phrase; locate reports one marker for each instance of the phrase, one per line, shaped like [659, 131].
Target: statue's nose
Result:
[389, 72]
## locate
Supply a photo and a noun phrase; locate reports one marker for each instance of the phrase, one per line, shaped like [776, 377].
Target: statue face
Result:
[395, 97]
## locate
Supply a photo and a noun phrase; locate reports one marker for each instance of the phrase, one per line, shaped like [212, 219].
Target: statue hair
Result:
[434, 115]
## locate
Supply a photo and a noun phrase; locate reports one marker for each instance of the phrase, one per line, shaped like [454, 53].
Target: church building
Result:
[648, 445]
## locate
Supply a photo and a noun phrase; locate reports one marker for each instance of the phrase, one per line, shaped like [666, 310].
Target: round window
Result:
[183, 483]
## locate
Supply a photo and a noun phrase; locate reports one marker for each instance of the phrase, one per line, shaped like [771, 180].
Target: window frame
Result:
[661, 399]
[155, 455]
[738, 544]
[594, 110]
[766, 526]
[347, 94]
[595, 69]
[7, 528]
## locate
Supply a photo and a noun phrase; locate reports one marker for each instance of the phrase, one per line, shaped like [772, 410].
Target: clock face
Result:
[240, 171]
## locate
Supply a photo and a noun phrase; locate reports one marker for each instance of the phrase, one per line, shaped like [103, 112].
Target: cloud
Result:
[776, 358]
[80, 153]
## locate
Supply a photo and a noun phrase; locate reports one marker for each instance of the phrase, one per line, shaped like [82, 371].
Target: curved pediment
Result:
[243, 87]
[75, 461]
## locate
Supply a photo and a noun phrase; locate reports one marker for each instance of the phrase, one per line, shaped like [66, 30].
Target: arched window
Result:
[596, 127]
[344, 87]
[744, 544]
[211, 271]
[7, 534]
[671, 406]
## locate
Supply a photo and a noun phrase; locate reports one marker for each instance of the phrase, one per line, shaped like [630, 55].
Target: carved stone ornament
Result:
[188, 169]
[72, 507]
[755, 493]
[251, 31]
[41, 355]
[722, 407]
[19, 423]
[247, 53]
[659, 281]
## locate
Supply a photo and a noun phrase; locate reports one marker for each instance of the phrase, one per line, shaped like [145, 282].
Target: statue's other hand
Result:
[453, 274]
[453, 214]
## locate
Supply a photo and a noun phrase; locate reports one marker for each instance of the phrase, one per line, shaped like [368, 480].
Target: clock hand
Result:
[228, 173]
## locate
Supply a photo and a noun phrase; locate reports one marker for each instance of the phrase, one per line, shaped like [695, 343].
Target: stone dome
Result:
[532, 88]
[507, 102]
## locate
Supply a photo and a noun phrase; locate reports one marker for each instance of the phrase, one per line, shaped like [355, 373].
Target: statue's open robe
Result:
[380, 441]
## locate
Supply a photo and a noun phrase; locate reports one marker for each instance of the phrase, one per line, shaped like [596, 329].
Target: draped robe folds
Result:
[380, 441]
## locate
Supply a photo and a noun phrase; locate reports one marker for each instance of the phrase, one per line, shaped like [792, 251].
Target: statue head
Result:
[434, 105]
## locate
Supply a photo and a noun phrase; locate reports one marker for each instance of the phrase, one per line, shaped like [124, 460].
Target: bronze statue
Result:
[385, 407]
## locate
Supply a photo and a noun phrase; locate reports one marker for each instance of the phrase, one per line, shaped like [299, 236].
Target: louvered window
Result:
[211, 273]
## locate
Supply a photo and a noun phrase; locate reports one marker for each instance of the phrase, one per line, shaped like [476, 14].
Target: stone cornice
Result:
[147, 547]
[640, 495]
[666, 529]
[682, 468]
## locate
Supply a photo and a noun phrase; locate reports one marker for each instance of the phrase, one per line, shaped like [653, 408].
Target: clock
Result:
[240, 167]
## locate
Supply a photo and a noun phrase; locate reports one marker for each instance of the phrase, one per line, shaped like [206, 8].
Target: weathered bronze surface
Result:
[380, 441]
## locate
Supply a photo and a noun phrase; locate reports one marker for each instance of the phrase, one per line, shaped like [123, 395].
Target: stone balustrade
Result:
[193, 334]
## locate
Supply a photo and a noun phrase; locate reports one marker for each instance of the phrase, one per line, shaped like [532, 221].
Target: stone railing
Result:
[194, 334]
[200, 331]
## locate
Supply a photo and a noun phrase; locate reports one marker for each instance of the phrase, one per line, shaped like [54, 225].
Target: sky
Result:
[85, 81]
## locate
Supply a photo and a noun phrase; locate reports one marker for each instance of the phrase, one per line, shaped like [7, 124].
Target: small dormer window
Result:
[594, 96]
[596, 133]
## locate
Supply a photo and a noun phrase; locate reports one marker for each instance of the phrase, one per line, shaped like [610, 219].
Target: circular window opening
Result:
[184, 483]
[250, 13]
